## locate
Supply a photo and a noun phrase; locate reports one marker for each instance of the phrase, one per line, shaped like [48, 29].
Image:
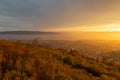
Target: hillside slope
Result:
[20, 61]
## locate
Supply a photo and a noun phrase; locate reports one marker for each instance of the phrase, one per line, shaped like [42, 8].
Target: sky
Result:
[60, 15]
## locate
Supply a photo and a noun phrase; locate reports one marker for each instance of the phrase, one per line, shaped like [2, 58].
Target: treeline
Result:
[30, 61]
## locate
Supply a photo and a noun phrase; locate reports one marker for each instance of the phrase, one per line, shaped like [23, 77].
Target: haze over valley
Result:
[59, 39]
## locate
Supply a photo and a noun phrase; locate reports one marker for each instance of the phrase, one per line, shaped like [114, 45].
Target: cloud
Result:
[43, 14]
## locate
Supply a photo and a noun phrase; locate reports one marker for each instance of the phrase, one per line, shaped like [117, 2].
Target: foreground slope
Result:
[20, 61]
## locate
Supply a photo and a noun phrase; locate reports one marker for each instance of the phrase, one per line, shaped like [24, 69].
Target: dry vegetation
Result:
[20, 61]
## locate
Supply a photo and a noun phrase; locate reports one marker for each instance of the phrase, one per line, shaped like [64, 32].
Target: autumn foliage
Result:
[28, 61]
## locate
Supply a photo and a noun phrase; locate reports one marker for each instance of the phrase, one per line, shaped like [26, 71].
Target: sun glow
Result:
[101, 28]
[106, 28]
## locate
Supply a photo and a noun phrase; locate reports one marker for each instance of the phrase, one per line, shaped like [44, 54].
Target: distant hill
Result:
[27, 33]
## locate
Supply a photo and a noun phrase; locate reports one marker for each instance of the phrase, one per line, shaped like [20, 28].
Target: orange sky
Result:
[100, 17]
[100, 28]
[60, 15]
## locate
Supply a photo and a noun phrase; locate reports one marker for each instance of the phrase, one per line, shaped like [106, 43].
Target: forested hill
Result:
[20, 61]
